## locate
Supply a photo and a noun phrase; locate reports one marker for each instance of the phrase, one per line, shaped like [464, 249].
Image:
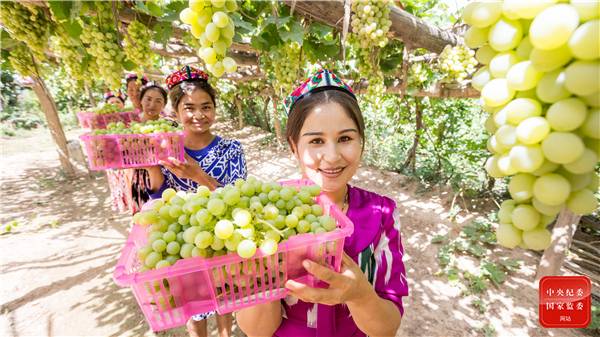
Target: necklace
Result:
[345, 204]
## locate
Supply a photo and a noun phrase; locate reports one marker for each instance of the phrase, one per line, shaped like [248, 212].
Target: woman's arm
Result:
[368, 311]
[260, 320]
[203, 178]
[190, 169]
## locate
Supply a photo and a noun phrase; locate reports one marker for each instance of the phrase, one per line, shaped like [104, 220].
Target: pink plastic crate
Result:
[227, 283]
[92, 120]
[131, 150]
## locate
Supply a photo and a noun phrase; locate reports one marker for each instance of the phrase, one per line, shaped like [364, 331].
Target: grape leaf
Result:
[129, 65]
[162, 31]
[60, 9]
[494, 273]
[154, 9]
[320, 30]
[241, 26]
[510, 264]
[172, 10]
[319, 50]
[267, 39]
[279, 21]
[296, 33]
[73, 28]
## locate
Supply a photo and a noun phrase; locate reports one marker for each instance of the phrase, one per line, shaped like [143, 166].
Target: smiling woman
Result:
[327, 130]
[326, 134]
[210, 160]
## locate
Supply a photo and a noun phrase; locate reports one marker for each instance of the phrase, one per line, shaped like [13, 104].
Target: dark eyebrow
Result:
[321, 133]
[313, 134]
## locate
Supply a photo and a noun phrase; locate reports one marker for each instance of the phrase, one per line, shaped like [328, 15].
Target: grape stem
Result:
[270, 226]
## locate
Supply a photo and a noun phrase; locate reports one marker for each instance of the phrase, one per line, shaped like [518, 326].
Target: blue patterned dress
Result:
[223, 159]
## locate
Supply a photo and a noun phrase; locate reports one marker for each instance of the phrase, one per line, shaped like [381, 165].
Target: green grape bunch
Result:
[68, 49]
[540, 85]
[137, 45]
[371, 22]
[101, 40]
[105, 109]
[155, 126]
[214, 29]
[456, 63]
[284, 64]
[241, 218]
[27, 24]
[107, 53]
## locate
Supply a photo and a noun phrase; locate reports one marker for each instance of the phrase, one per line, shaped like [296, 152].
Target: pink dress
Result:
[377, 248]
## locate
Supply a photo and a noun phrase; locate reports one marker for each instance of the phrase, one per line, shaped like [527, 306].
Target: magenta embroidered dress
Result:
[377, 248]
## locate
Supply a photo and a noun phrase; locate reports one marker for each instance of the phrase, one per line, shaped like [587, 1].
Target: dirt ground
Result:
[56, 267]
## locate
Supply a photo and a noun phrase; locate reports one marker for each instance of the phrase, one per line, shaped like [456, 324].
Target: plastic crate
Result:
[131, 150]
[92, 120]
[169, 296]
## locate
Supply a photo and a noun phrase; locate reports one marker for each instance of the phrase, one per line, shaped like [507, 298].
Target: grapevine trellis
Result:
[115, 25]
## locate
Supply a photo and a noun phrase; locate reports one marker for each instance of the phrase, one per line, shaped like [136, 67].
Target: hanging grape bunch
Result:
[371, 22]
[541, 85]
[102, 42]
[27, 24]
[211, 25]
[284, 64]
[456, 63]
[137, 45]
[370, 25]
[68, 49]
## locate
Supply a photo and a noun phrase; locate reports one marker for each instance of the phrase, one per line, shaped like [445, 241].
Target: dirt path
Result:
[56, 267]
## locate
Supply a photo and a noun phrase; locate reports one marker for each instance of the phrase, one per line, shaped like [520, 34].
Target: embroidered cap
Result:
[134, 76]
[110, 94]
[186, 73]
[323, 79]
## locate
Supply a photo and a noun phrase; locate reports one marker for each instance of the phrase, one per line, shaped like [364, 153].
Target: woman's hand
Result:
[188, 168]
[349, 285]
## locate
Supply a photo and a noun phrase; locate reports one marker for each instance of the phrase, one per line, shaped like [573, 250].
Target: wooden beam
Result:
[438, 91]
[405, 26]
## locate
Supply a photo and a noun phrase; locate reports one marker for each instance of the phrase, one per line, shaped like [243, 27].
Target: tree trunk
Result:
[49, 109]
[562, 236]
[238, 106]
[277, 122]
[412, 153]
[406, 27]
[90, 95]
[263, 119]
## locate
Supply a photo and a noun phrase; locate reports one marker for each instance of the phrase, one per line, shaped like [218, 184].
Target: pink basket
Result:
[92, 120]
[131, 150]
[169, 296]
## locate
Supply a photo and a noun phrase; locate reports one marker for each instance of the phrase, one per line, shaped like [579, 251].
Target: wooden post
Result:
[90, 95]
[56, 130]
[411, 159]
[238, 105]
[562, 236]
[277, 122]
